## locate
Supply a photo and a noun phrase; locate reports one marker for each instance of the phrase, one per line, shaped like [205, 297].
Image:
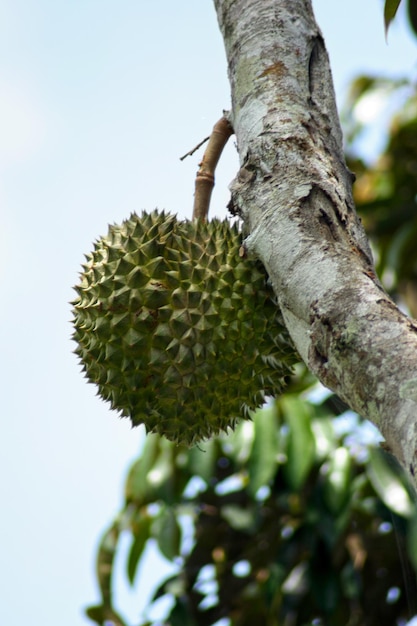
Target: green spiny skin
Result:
[177, 331]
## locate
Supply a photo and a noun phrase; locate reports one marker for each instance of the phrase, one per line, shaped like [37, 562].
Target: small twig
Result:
[191, 152]
[204, 182]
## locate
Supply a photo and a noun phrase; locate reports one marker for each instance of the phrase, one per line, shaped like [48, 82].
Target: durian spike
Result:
[204, 182]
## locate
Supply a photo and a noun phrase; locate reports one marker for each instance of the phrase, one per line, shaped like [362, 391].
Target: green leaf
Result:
[202, 459]
[96, 614]
[263, 459]
[337, 480]
[103, 615]
[390, 9]
[387, 480]
[301, 442]
[105, 558]
[151, 477]
[324, 437]
[173, 585]
[167, 533]
[412, 15]
[162, 471]
[412, 540]
[141, 536]
[237, 517]
[137, 486]
[238, 447]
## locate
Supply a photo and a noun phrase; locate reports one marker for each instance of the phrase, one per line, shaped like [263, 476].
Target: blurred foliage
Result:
[390, 10]
[385, 191]
[412, 15]
[296, 518]
[282, 522]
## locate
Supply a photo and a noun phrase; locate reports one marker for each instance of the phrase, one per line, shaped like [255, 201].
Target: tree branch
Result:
[294, 192]
[204, 182]
[191, 152]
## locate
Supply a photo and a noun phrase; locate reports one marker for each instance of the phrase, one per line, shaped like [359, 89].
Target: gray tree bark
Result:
[294, 193]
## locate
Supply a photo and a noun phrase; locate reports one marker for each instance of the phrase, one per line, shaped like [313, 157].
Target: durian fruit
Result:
[177, 330]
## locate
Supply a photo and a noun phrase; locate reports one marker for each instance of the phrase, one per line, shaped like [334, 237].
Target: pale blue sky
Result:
[98, 100]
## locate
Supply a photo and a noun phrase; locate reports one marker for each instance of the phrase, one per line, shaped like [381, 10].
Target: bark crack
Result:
[294, 193]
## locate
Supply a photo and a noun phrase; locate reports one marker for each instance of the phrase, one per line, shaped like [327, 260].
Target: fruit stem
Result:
[204, 181]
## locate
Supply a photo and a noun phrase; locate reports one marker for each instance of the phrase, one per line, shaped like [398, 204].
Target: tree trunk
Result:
[294, 193]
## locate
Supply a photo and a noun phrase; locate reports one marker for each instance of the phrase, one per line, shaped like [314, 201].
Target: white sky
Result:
[98, 100]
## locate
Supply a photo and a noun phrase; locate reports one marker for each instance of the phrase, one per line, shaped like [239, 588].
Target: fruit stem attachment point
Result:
[191, 152]
[204, 182]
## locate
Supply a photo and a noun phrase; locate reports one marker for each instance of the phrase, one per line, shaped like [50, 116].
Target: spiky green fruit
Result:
[176, 329]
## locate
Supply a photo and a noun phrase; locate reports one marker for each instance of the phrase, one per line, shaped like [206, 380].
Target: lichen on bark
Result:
[294, 193]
